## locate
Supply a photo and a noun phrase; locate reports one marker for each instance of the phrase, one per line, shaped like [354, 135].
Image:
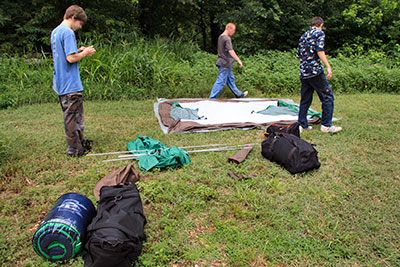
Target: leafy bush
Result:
[142, 69]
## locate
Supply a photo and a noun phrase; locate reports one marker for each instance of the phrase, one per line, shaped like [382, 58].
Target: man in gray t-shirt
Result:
[226, 58]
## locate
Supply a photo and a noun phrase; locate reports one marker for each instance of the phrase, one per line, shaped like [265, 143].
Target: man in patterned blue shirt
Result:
[310, 52]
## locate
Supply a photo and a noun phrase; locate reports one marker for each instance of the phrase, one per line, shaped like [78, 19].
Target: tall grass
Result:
[140, 69]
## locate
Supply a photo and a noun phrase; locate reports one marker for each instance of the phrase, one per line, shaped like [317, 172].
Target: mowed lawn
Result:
[347, 213]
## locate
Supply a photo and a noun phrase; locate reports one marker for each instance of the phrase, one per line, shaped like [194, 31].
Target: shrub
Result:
[142, 69]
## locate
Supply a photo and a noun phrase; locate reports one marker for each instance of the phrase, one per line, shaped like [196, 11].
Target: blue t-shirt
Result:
[311, 42]
[66, 78]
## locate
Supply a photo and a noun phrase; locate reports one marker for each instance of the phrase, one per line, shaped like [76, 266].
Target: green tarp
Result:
[157, 155]
[180, 113]
[287, 109]
[296, 107]
[277, 111]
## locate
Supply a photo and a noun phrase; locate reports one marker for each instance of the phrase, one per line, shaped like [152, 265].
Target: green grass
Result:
[346, 213]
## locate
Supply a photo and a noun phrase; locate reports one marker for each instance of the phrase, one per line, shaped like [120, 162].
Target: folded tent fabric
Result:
[126, 175]
[180, 113]
[241, 155]
[62, 234]
[156, 154]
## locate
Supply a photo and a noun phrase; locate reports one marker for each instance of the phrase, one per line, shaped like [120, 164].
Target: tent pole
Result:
[128, 157]
[134, 151]
[216, 149]
[114, 153]
[196, 151]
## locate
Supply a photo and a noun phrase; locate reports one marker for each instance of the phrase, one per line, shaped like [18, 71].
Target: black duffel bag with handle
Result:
[116, 234]
[283, 128]
[291, 152]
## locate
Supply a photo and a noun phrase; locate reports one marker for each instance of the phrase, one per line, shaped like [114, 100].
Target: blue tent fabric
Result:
[62, 234]
[157, 155]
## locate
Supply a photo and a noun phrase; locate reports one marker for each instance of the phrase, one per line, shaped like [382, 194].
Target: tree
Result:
[350, 25]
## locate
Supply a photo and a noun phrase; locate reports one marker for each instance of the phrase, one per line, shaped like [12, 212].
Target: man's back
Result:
[310, 43]
[224, 46]
[66, 78]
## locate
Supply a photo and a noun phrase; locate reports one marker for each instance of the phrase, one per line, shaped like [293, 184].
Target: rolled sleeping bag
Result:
[61, 235]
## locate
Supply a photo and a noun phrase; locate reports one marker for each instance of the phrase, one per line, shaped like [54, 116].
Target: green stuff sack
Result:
[62, 234]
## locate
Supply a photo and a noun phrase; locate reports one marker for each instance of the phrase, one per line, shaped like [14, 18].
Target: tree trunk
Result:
[203, 29]
[215, 32]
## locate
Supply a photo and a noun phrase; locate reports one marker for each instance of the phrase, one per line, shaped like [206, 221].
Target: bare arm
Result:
[233, 54]
[82, 52]
[324, 59]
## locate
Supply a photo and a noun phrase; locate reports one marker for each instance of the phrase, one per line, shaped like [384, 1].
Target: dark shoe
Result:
[75, 154]
[87, 145]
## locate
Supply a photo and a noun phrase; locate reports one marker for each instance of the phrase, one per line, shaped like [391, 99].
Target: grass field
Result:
[347, 213]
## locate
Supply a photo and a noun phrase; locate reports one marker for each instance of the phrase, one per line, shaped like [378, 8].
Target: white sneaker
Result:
[332, 129]
[309, 128]
[245, 93]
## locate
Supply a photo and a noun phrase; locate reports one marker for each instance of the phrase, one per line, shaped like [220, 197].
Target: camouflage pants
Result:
[72, 106]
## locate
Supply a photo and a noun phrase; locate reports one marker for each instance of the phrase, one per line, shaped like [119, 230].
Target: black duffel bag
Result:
[291, 152]
[116, 234]
[283, 128]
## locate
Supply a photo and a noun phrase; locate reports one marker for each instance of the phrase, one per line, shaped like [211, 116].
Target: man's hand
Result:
[81, 49]
[233, 54]
[88, 51]
[324, 59]
[329, 75]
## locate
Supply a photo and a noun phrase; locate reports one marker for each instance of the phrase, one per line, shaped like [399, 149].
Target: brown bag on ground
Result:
[241, 155]
[126, 175]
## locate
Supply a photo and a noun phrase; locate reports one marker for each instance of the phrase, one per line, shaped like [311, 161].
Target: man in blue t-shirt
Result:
[310, 52]
[66, 79]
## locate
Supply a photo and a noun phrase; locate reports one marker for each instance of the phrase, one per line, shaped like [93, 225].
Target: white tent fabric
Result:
[214, 112]
[219, 115]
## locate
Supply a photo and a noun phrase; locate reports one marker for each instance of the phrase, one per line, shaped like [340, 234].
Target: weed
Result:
[142, 69]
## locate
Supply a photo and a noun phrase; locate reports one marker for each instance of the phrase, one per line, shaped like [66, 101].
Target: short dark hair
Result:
[317, 21]
[76, 12]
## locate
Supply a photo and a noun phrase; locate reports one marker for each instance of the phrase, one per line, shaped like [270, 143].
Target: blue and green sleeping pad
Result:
[62, 233]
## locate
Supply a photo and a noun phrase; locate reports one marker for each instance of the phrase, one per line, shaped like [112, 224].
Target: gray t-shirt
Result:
[224, 58]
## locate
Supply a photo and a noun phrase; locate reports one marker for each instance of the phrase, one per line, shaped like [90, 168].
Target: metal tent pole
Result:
[134, 151]
[227, 148]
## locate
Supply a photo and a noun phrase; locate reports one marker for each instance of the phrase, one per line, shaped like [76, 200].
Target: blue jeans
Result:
[321, 85]
[225, 76]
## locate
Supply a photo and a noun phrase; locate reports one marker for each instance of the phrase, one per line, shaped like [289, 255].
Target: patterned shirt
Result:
[311, 42]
